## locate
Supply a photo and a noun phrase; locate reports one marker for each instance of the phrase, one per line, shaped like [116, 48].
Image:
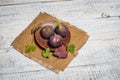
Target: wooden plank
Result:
[94, 72]
[86, 7]
[19, 2]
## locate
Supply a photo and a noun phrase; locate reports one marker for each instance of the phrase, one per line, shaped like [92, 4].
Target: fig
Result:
[55, 41]
[47, 31]
[61, 52]
[61, 30]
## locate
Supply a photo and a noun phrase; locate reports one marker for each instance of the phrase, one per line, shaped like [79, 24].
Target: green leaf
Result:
[30, 48]
[71, 48]
[46, 53]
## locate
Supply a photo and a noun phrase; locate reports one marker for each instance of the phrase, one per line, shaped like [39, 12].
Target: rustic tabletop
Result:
[98, 59]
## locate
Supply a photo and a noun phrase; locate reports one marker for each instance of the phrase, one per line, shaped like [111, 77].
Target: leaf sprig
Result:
[71, 48]
[46, 53]
[30, 48]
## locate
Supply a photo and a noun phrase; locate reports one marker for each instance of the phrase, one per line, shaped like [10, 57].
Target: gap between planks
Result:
[31, 2]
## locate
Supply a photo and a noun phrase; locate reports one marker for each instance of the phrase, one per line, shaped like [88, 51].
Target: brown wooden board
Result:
[78, 38]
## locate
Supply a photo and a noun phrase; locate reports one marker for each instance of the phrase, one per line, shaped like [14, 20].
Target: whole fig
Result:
[47, 31]
[55, 41]
[61, 30]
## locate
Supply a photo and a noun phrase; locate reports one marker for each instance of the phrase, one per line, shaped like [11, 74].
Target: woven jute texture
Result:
[78, 38]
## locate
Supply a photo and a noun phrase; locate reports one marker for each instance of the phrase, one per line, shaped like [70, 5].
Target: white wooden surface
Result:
[99, 59]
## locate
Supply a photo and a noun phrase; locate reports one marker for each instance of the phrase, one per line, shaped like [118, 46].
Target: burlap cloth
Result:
[78, 38]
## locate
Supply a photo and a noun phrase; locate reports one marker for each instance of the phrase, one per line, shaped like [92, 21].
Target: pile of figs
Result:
[54, 34]
[56, 37]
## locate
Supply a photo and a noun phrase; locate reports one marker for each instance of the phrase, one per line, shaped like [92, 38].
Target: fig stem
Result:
[57, 22]
[60, 27]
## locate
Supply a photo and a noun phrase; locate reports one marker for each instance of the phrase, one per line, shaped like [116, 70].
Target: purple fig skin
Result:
[47, 31]
[55, 41]
[61, 52]
[61, 30]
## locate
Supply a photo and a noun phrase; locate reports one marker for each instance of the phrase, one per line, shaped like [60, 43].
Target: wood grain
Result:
[99, 59]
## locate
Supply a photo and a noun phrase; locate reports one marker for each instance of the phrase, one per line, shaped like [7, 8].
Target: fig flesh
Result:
[61, 52]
